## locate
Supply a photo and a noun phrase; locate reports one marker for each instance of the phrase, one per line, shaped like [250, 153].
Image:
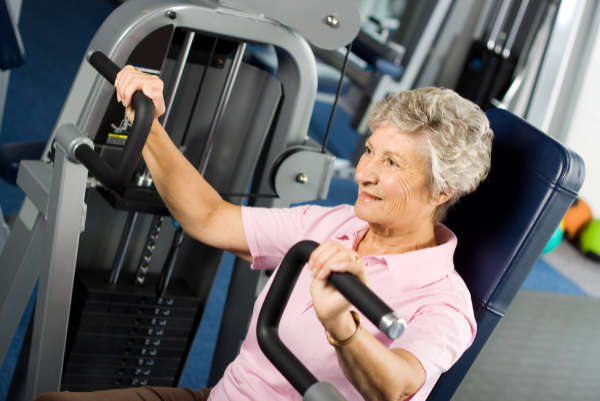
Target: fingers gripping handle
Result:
[117, 176]
[377, 311]
[349, 285]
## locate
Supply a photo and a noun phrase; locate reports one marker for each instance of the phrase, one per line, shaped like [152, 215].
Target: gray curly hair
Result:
[457, 131]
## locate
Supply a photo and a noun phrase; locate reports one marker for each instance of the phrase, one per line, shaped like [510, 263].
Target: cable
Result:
[337, 96]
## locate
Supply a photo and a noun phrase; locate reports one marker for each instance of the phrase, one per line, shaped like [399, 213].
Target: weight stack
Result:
[126, 336]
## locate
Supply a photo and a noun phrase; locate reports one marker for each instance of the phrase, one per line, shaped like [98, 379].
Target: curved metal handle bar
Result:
[270, 314]
[117, 176]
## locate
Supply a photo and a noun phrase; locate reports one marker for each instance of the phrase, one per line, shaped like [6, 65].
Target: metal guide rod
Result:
[181, 63]
[123, 245]
[221, 105]
[537, 28]
[165, 276]
[498, 25]
[515, 28]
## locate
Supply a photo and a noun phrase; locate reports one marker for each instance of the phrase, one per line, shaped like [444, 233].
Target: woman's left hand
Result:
[329, 304]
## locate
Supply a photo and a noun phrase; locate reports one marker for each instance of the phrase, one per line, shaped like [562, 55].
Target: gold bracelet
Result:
[340, 343]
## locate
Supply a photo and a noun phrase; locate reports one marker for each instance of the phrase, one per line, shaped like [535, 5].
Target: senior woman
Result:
[427, 148]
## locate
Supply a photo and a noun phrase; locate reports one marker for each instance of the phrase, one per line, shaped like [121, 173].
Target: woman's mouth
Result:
[365, 196]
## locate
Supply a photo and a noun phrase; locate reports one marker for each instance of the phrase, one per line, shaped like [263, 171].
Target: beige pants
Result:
[131, 394]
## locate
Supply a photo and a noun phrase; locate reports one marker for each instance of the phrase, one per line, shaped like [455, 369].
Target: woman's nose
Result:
[365, 172]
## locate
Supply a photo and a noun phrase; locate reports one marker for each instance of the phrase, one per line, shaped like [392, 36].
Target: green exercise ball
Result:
[589, 240]
[556, 238]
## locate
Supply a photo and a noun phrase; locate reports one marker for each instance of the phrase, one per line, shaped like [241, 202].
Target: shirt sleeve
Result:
[437, 335]
[271, 232]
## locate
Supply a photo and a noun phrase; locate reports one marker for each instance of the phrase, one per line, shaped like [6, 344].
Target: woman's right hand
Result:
[129, 80]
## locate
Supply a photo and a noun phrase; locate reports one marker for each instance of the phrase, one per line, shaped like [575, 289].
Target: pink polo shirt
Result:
[422, 286]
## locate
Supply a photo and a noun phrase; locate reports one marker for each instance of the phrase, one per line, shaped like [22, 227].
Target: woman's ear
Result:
[442, 198]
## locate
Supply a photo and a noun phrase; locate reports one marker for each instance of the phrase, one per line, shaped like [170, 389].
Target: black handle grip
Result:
[104, 66]
[377, 311]
[117, 176]
[270, 314]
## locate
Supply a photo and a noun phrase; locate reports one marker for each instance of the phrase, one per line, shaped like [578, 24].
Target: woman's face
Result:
[392, 179]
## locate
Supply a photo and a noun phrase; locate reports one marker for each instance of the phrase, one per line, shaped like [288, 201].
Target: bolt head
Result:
[301, 178]
[332, 21]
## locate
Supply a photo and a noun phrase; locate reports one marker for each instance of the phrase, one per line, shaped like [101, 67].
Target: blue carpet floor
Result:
[544, 277]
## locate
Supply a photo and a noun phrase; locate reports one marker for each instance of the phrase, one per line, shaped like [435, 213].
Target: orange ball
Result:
[578, 215]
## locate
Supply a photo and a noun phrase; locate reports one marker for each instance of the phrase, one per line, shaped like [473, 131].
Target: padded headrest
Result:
[504, 225]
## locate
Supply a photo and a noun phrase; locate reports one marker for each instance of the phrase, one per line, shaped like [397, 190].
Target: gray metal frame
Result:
[43, 243]
[327, 24]
[119, 34]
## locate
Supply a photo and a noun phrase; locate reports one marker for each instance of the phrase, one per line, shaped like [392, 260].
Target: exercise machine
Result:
[121, 288]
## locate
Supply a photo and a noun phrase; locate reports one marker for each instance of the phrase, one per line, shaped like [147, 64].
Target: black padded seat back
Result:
[503, 227]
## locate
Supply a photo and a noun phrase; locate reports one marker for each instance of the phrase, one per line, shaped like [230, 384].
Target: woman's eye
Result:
[391, 162]
[368, 150]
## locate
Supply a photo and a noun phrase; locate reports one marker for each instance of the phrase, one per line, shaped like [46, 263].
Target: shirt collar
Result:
[414, 269]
